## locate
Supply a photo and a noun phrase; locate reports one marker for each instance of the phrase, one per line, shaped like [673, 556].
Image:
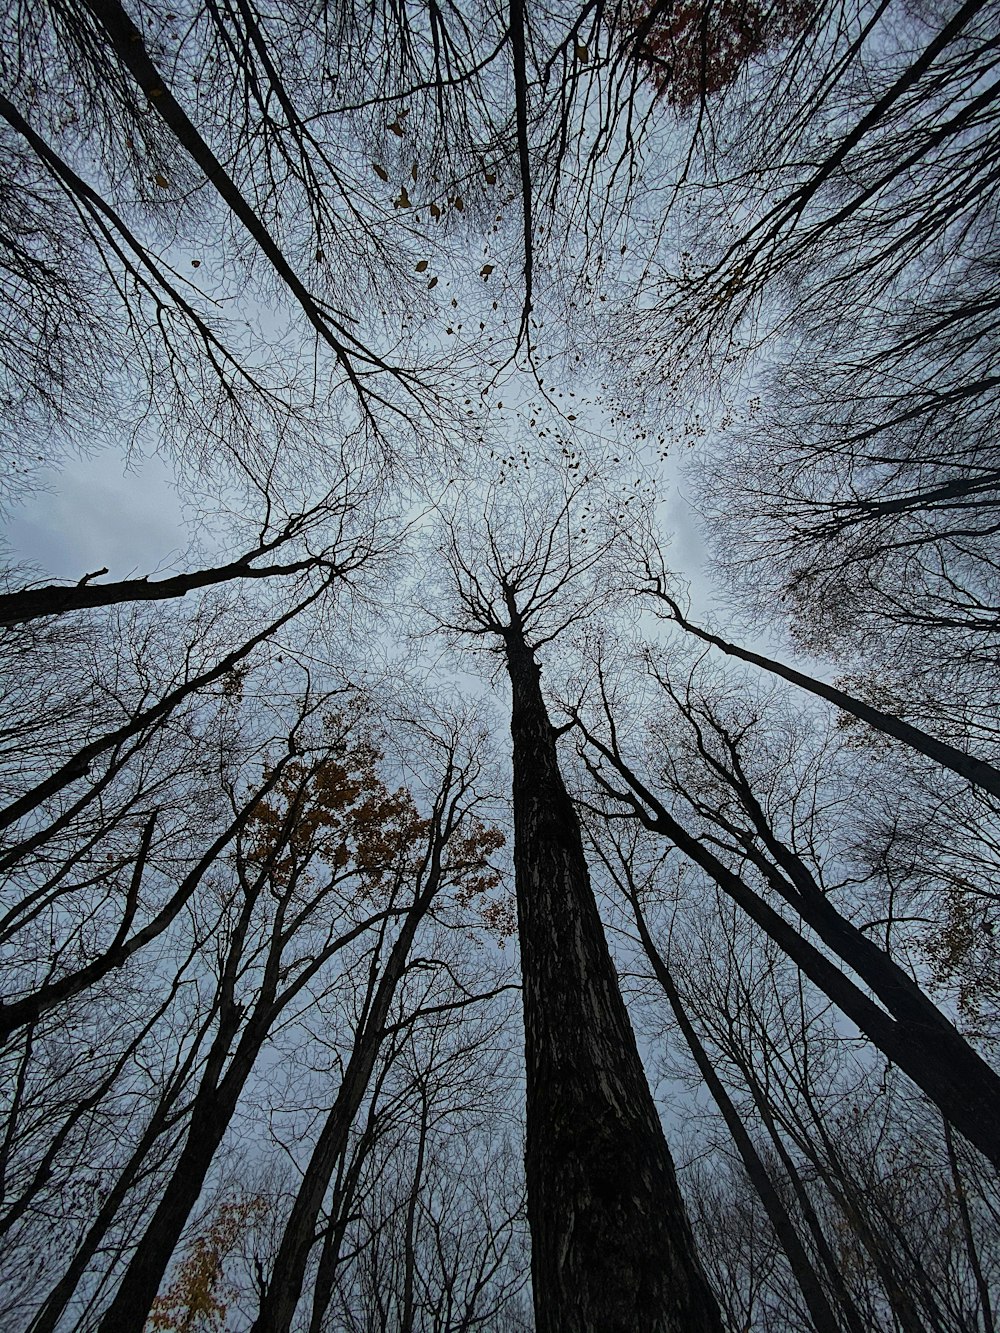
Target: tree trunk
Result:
[54, 600]
[212, 1112]
[820, 1312]
[279, 1303]
[612, 1250]
[976, 771]
[930, 1050]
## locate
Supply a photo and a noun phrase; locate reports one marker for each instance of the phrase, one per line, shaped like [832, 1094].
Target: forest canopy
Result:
[519, 851]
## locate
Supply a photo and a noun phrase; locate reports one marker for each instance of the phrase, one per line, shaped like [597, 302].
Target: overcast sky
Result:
[97, 512]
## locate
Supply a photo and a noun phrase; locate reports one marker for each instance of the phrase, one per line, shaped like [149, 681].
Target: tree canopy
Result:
[520, 851]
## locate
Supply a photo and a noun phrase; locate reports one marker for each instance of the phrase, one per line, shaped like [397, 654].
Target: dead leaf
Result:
[421, 265]
[380, 172]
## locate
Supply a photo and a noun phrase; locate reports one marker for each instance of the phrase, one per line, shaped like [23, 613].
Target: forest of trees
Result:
[430, 900]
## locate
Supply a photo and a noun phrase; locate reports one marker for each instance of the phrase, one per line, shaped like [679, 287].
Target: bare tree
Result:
[744, 851]
[611, 1246]
[446, 846]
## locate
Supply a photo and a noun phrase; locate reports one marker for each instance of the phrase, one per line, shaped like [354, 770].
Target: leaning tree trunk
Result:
[612, 1250]
[820, 1312]
[974, 770]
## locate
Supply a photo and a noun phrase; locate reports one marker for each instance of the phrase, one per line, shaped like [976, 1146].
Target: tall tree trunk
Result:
[409, 1234]
[340, 1217]
[835, 1274]
[820, 1312]
[916, 1036]
[212, 1112]
[281, 1298]
[48, 1318]
[904, 1312]
[968, 1232]
[976, 771]
[612, 1250]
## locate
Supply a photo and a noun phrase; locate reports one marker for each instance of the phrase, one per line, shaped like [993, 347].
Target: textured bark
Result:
[612, 1250]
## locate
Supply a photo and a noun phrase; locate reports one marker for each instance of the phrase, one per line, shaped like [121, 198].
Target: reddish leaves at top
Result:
[694, 49]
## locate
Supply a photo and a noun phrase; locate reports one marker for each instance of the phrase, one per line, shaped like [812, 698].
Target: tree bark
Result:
[612, 1249]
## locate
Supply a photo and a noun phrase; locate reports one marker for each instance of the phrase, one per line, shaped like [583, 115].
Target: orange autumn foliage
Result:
[338, 814]
[337, 811]
[193, 1300]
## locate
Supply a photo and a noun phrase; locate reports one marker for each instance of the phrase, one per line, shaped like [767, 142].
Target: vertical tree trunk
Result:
[612, 1250]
